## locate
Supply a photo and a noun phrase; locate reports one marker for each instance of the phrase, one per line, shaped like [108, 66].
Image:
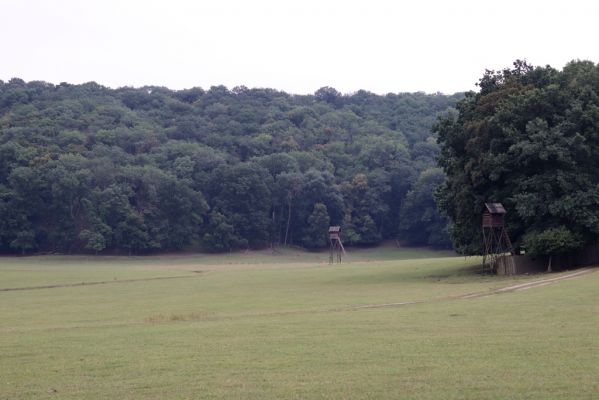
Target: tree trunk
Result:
[288, 222]
[549, 264]
[279, 231]
[272, 230]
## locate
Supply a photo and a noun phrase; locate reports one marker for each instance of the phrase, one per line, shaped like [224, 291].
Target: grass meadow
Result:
[387, 323]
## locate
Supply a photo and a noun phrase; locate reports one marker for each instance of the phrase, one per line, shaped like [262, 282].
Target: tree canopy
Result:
[85, 168]
[529, 139]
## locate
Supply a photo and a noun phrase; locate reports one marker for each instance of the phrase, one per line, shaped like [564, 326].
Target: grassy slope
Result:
[262, 326]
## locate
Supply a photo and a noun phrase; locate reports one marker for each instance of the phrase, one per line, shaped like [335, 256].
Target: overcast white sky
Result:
[296, 46]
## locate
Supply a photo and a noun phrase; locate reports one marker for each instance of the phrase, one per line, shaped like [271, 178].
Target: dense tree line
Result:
[89, 168]
[529, 139]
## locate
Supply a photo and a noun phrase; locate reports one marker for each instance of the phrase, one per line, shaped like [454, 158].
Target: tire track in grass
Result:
[192, 317]
[64, 285]
[492, 292]
[530, 285]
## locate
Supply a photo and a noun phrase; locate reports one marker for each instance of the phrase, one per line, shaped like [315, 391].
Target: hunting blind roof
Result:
[495, 208]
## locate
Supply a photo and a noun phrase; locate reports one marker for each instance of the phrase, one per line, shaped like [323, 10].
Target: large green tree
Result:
[529, 139]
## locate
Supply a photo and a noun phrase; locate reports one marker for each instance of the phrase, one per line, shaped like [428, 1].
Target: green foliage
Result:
[420, 223]
[315, 233]
[24, 240]
[552, 241]
[93, 240]
[528, 139]
[242, 193]
[220, 235]
[136, 170]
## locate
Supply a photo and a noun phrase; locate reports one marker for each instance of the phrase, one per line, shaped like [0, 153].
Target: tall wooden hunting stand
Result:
[496, 242]
[336, 246]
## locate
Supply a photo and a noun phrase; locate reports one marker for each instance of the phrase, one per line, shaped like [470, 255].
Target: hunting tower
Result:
[496, 241]
[336, 246]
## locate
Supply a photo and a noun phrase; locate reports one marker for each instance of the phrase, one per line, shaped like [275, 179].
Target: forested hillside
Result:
[89, 168]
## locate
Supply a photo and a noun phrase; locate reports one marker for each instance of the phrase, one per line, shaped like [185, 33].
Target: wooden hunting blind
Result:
[336, 246]
[496, 242]
[493, 215]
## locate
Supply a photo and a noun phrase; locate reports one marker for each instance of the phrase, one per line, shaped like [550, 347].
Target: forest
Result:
[86, 168]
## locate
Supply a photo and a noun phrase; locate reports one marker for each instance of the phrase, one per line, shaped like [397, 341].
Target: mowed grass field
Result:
[386, 324]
